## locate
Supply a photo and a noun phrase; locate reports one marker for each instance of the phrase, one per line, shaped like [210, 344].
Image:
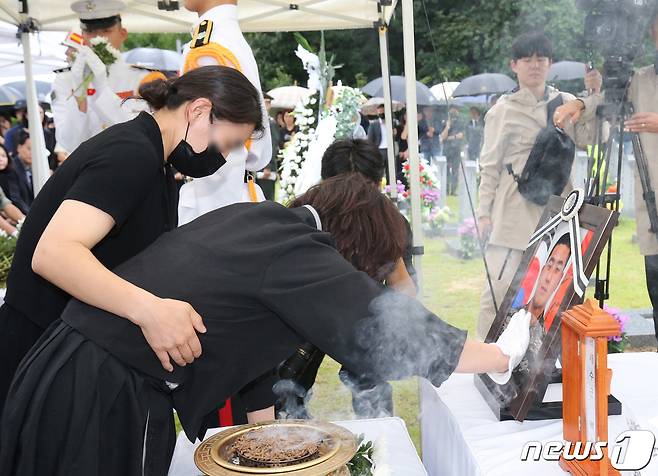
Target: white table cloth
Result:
[395, 454]
[461, 436]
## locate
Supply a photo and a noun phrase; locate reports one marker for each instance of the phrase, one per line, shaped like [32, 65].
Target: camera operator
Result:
[511, 130]
[644, 97]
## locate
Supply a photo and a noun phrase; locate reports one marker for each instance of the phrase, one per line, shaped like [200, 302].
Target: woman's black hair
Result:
[353, 155]
[231, 94]
[367, 227]
[9, 166]
[530, 43]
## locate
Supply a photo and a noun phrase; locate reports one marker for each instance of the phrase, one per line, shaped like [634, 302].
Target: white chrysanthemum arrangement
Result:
[294, 154]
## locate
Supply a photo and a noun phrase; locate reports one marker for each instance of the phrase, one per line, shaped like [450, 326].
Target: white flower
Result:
[97, 40]
[113, 51]
[313, 100]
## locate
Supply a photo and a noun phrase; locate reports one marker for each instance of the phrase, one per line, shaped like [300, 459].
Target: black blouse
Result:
[265, 280]
[120, 171]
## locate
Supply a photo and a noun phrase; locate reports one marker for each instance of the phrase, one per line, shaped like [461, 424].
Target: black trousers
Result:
[452, 174]
[651, 268]
[17, 336]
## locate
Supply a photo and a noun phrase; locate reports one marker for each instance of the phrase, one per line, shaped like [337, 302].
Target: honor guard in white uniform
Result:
[79, 115]
[217, 39]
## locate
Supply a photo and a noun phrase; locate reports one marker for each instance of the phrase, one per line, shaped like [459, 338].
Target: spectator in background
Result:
[365, 123]
[20, 110]
[377, 135]
[506, 218]
[403, 147]
[50, 142]
[474, 131]
[5, 170]
[21, 192]
[55, 156]
[5, 125]
[281, 125]
[452, 136]
[289, 127]
[11, 215]
[429, 130]
[266, 178]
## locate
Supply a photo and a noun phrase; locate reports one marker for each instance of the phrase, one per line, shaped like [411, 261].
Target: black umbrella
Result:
[566, 70]
[8, 95]
[163, 60]
[43, 89]
[424, 96]
[487, 83]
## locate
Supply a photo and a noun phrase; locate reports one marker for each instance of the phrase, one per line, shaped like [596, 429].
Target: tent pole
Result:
[412, 126]
[388, 106]
[40, 168]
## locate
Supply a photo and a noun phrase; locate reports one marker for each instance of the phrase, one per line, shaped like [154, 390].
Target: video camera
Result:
[617, 29]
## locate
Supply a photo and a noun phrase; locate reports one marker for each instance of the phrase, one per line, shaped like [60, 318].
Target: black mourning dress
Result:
[91, 395]
[120, 171]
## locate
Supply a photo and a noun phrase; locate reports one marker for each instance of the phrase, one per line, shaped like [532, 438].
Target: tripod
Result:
[599, 166]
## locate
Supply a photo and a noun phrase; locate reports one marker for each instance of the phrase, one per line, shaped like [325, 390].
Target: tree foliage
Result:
[454, 39]
[164, 41]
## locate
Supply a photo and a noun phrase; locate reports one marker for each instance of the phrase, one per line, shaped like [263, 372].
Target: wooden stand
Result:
[586, 383]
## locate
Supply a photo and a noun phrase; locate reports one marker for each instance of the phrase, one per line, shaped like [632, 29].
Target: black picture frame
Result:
[521, 398]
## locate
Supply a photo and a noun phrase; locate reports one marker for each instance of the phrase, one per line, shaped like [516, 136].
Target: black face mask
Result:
[382, 116]
[196, 164]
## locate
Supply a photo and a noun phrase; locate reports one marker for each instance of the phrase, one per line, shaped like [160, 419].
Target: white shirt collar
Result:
[318, 223]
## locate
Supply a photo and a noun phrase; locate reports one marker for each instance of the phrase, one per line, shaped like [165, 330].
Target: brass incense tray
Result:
[216, 456]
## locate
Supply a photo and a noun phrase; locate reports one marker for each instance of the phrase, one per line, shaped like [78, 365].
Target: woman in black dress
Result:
[92, 399]
[112, 198]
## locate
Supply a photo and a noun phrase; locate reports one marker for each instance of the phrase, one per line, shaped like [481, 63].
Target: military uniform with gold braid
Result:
[218, 40]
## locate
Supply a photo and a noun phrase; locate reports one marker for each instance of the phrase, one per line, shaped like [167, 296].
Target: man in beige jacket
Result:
[644, 96]
[511, 126]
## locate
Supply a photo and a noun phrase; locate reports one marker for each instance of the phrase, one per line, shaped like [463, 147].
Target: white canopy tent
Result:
[47, 55]
[255, 15]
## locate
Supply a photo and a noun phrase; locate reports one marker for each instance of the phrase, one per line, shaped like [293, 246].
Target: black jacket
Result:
[20, 188]
[265, 280]
[375, 132]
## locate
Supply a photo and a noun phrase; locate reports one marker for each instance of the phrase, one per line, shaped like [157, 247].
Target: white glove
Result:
[97, 67]
[78, 70]
[513, 342]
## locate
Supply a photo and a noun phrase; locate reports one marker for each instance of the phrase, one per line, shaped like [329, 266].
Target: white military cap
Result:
[97, 9]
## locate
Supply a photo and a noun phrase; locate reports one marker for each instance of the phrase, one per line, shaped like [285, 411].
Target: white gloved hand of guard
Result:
[78, 70]
[97, 67]
[513, 342]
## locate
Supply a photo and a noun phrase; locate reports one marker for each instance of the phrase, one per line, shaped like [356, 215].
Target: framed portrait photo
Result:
[543, 285]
